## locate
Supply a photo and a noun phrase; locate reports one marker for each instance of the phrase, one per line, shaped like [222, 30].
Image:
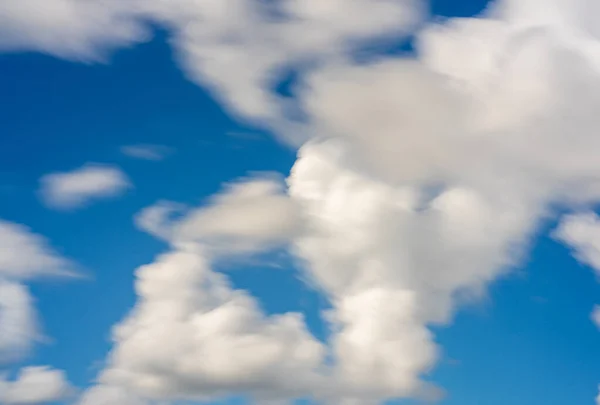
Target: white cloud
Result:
[74, 189]
[236, 48]
[107, 395]
[73, 29]
[373, 244]
[146, 151]
[192, 336]
[582, 233]
[35, 386]
[238, 54]
[248, 215]
[157, 219]
[18, 322]
[430, 179]
[24, 256]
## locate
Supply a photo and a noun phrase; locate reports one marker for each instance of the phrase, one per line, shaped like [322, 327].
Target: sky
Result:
[299, 201]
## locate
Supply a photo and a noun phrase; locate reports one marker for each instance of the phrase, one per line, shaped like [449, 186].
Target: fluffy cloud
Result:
[372, 244]
[246, 216]
[70, 190]
[24, 256]
[146, 151]
[428, 182]
[192, 336]
[35, 386]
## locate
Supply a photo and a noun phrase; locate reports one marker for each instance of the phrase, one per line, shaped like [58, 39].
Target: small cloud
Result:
[36, 385]
[248, 215]
[596, 315]
[539, 300]
[147, 151]
[26, 255]
[70, 190]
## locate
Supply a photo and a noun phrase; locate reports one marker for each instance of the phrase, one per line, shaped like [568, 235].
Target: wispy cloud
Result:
[147, 151]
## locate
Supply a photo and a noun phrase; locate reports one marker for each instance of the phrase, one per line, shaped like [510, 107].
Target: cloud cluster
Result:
[35, 386]
[74, 189]
[422, 183]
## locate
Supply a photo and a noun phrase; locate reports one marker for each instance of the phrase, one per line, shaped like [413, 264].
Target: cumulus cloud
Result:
[427, 183]
[146, 151]
[24, 256]
[373, 244]
[246, 216]
[35, 386]
[74, 189]
[192, 336]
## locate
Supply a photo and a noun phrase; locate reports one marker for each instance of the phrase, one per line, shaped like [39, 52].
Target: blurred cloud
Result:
[35, 386]
[24, 256]
[248, 215]
[74, 189]
[147, 151]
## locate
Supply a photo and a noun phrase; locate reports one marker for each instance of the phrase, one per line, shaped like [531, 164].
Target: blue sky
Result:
[528, 339]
